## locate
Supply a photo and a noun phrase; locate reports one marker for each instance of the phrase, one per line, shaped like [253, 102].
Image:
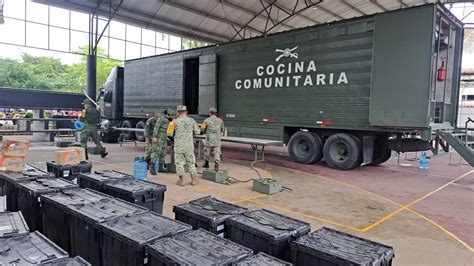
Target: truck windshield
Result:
[108, 97]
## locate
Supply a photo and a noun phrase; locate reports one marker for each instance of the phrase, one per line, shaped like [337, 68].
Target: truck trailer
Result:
[350, 91]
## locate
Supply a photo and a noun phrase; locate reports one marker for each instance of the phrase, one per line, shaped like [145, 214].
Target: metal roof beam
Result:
[353, 7]
[225, 2]
[220, 38]
[377, 4]
[296, 12]
[402, 4]
[204, 14]
[328, 11]
[273, 4]
[299, 15]
[127, 16]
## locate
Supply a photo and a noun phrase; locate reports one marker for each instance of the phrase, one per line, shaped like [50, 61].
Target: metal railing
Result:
[469, 120]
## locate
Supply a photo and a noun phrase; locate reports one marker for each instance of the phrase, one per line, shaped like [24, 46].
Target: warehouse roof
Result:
[225, 20]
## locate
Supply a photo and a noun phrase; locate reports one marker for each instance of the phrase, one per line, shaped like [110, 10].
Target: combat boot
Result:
[148, 162]
[180, 181]
[162, 168]
[153, 168]
[206, 164]
[103, 153]
[216, 167]
[194, 181]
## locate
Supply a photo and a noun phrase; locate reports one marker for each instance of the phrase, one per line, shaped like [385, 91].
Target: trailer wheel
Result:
[139, 135]
[343, 151]
[127, 134]
[305, 147]
[381, 153]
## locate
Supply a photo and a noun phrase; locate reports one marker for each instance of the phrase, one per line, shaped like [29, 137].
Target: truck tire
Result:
[305, 147]
[381, 154]
[139, 135]
[343, 151]
[127, 134]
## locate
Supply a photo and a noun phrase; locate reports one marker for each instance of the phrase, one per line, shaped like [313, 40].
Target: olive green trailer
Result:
[349, 91]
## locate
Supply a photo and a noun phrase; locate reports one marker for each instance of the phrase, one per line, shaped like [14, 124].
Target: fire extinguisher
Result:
[442, 71]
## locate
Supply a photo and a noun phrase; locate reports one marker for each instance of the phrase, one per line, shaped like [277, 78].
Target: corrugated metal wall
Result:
[344, 47]
[152, 84]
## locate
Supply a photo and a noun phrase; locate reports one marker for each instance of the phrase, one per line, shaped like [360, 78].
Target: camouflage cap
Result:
[86, 101]
[171, 111]
[181, 108]
[212, 110]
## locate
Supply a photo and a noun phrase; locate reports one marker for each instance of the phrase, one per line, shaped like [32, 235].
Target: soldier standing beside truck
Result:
[91, 117]
[213, 127]
[149, 127]
[183, 129]
[160, 143]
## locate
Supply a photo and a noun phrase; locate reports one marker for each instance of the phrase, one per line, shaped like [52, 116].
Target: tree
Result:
[47, 73]
[32, 72]
[77, 73]
[191, 44]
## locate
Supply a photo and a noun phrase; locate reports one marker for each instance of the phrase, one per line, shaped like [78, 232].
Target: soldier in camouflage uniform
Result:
[149, 127]
[91, 117]
[213, 127]
[183, 129]
[160, 142]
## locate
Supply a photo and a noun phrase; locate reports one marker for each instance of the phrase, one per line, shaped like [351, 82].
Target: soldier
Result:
[183, 129]
[91, 117]
[149, 127]
[213, 127]
[160, 143]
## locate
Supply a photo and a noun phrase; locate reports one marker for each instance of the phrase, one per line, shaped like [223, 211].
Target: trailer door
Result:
[207, 83]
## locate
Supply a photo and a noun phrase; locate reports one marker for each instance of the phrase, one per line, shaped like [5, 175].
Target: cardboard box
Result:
[12, 164]
[68, 157]
[82, 153]
[13, 147]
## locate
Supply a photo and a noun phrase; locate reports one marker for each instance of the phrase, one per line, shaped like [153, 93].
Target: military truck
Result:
[349, 91]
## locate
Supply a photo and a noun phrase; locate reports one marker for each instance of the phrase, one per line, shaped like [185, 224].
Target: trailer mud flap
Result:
[368, 149]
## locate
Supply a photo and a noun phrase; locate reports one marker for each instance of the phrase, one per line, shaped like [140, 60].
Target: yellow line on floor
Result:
[443, 229]
[404, 207]
[400, 205]
[249, 199]
[313, 217]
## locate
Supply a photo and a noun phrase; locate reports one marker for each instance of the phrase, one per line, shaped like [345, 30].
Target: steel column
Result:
[91, 76]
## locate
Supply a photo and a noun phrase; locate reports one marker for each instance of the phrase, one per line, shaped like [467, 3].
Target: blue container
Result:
[424, 161]
[79, 125]
[140, 169]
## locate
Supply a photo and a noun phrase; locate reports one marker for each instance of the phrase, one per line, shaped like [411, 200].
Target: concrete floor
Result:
[427, 216]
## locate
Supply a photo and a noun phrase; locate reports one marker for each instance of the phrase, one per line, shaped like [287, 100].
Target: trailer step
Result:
[466, 152]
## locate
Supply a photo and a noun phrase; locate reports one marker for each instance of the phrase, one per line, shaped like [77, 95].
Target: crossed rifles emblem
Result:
[286, 53]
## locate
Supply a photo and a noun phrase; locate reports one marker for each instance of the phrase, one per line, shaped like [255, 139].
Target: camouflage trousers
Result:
[158, 151]
[148, 150]
[217, 153]
[185, 159]
[87, 133]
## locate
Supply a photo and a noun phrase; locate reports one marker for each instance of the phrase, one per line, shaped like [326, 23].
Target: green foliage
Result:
[190, 44]
[47, 73]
